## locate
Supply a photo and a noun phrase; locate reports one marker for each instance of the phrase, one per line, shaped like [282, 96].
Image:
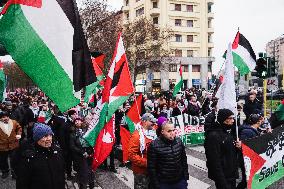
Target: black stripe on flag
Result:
[83, 72]
[246, 44]
[116, 76]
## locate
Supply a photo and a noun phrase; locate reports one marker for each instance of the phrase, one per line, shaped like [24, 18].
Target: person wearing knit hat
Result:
[42, 134]
[41, 163]
[220, 146]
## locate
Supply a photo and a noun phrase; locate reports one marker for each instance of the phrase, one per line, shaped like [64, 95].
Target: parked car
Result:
[276, 95]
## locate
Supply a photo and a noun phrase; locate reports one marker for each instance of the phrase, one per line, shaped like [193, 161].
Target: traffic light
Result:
[271, 71]
[261, 68]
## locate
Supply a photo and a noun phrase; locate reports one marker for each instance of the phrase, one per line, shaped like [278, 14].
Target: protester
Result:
[82, 154]
[10, 134]
[221, 151]
[137, 151]
[252, 104]
[41, 164]
[167, 161]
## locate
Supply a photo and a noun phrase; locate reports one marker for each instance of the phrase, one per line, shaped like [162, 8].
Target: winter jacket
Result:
[247, 132]
[221, 155]
[193, 110]
[10, 142]
[138, 160]
[40, 167]
[209, 120]
[251, 107]
[167, 162]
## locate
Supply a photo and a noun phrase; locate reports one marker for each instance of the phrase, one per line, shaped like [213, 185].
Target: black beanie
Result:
[223, 114]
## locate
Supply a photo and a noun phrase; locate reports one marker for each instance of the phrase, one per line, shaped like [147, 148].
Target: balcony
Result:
[125, 8]
[155, 12]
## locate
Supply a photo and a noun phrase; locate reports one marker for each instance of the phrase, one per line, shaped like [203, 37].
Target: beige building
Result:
[275, 48]
[191, 21]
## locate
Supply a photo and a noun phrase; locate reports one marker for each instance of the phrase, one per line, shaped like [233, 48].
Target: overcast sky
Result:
[259, 21]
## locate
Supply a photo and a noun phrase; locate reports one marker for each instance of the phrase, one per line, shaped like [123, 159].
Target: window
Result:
[184, 68]
[177, 7]
[178, 53]
[209, 38]
[209, 23]
[190, 38]
[178, 38]
[195, 68]
[177, 22]
[190, 23]
[189, 53]
[127, 16]
[137, 0]
[155, 4]
[126, 2]
[173, 68]
[209, 52]
[156, 20]
[140, 11]
[209, 67]
[189, 8]
[209, 7]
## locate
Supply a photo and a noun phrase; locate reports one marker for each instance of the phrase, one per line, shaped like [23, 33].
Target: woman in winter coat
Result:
[82, 154]
[40, 163]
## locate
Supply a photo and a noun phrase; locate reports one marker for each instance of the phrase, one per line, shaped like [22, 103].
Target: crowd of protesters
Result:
[46, 146]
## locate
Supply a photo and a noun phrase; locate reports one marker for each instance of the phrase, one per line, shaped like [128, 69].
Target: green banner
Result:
[189, 128]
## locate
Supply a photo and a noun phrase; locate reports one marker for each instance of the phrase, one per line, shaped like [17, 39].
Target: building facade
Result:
[192, 44]
[275, 48]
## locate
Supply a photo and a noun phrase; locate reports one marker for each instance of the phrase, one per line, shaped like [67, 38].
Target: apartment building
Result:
[192, 44]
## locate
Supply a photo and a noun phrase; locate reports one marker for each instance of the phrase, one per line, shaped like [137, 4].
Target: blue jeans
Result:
[182, 184]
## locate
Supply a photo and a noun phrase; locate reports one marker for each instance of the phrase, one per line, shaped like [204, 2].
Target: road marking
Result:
[195, 162]
[194, 183]
[125, 175]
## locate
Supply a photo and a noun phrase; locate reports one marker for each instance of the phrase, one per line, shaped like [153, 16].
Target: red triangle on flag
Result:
[255, 160]
[135, 110]
[32, 3]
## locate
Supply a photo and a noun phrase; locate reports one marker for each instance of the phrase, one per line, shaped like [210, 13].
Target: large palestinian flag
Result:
[132, 118]
[117, 88]
[243, 54]
[264, 159]
[46, 40]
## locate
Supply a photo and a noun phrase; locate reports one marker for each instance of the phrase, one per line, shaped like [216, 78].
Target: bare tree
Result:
[146, 45]
[101, 26]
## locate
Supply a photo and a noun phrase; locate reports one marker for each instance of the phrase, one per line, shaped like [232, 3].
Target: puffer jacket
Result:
[167, 162]
[40, 167]
[221, 154]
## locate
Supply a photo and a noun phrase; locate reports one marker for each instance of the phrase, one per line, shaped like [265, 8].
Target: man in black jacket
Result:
[252, 105]
[167, 162]
[221, 152]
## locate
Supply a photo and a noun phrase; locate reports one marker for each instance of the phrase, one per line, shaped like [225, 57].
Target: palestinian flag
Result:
[94, 87]
[279, 112]
[46, 40]
[243, 55]
[118, 84]
[132, 118]
[2, 82]
[117, 88]
[264, 159]
[99, 57]
[178, 86]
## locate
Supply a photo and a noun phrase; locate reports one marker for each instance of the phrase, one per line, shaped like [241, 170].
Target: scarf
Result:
[150, 134]
[7, 127]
